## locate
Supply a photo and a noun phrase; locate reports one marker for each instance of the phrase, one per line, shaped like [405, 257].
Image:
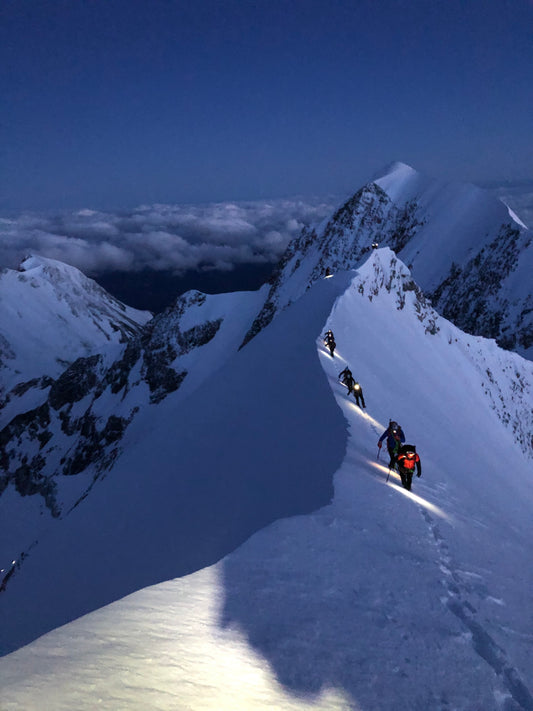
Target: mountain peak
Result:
[52, 314]
[401, 182]
[394, 168]
[33, 261]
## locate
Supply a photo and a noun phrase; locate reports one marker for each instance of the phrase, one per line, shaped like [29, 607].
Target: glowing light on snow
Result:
[384, 468]
[366, 416]
[338, 357]
[415, 497]
[425, 503]
[160, 648]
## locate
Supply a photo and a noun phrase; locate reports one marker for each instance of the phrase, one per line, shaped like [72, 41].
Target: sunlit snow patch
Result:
[162, 647]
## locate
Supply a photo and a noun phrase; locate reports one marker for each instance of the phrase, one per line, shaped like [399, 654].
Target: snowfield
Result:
[52, 314]
[279, 591]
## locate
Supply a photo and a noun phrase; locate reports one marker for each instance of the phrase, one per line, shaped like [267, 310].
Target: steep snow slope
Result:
[198, 476]
[464, 247]
[52, 314]
[456, 221]
[381, 600]
[58, 441]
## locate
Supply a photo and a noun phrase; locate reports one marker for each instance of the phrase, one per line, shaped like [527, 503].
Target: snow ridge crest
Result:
[384, 273]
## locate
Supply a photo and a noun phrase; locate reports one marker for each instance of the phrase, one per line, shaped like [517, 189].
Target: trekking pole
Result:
[388, 475]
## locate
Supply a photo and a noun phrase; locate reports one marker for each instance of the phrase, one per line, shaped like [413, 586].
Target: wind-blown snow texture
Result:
[380, 600]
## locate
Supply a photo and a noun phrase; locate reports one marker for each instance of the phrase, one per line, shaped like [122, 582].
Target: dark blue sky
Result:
[109, 103]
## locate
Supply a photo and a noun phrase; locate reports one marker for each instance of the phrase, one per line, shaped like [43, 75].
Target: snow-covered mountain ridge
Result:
[379, 600]
[53, 314]
[76, 424]
[60, 435]
[465, 248]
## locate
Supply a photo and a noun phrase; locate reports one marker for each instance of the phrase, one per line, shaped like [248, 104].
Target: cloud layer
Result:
[162, 237]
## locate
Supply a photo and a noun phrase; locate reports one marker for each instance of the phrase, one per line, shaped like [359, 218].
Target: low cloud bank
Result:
[175, 238]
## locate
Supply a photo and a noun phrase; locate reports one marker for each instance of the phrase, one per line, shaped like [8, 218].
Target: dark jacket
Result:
[393, 435]
[347, 377]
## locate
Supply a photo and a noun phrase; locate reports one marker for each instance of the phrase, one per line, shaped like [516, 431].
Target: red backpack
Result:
[407, 460]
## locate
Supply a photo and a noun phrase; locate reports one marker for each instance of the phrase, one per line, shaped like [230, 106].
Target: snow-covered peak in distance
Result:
[400, 181]
[52, 314]
[403, 183]
[463, 246]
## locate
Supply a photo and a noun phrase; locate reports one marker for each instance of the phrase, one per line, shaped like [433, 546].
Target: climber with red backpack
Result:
[407, 460]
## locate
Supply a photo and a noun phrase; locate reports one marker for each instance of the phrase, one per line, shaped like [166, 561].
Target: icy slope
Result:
[52, 314]
[456, 220]
[198, 476]
[381, 600]
[464, 247]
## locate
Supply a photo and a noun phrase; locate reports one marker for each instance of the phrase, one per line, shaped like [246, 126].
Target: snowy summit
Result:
[51, 315]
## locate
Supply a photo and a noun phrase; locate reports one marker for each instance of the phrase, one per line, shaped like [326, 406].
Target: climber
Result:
[406, 460]
[395, 438]
[346, 377]
[358, 394]
[329, 341]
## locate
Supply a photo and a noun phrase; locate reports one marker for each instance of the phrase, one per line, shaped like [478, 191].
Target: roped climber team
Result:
[403, 457]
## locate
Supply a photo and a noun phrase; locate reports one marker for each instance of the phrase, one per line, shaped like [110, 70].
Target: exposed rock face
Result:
[478, 285]
[78, 426]
[342, 243]
[53, 311]
[75, 383]
[391, 275]
[472, 296]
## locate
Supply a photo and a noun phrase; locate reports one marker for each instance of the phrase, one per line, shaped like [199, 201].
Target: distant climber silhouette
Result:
[329, 340]
[346, 377]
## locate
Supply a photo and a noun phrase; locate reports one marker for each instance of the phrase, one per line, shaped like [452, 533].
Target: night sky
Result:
[117, 103]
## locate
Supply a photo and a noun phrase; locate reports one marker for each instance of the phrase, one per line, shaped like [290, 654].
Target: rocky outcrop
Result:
[369, 217]
[478, 291]
[77, 427]
[472, 296]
